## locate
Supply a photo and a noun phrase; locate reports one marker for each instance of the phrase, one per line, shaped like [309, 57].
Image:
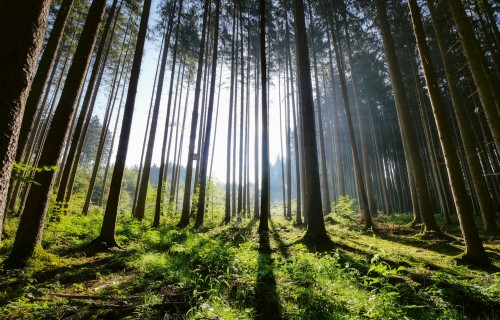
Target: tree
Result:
[316, 232]
[69, 171]
[412, 154]
[465, 129]
[488, 94]
[22, 30]
[474, 248]
[264, 193]
[42, 72]
[206, 145]
[31, 224]
[186, 205]
[144, 182]
[107, 234]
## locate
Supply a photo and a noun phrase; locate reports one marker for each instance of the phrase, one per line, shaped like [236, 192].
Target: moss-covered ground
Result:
[220, 272]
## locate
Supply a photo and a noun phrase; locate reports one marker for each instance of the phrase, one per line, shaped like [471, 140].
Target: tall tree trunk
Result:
[474, 248]
[68, 175]
[143, 185]
[316, 233]
[159, 188]
[488, 94]
[42, 72]
[361, 123]
[336, 125]
[22, 30]
[31, 224]
[227, 207]
[324, 173]
[206, 145]
[360, 181]
[465, 129]
[256, 208]
[107, 234]
[104, 134]
[413, 157]
[242, 118]
[264, 200]
[186, 205]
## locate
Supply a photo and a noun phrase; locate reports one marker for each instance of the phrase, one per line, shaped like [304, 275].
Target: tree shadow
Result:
[267, 305]
[282, 247]
[443, 247]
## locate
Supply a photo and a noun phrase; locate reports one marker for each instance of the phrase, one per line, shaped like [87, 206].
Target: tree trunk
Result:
[413, 157]
[29, 232]
[22, 30]
[316, 233]
[143, 185]
[186, 205]
[264, 200]
[68, 175]
[206, 145]
[465, 129]
[474, 247]
[107, 234]
[159, 188]
[42, 72]
[488, 94]
[360, 181]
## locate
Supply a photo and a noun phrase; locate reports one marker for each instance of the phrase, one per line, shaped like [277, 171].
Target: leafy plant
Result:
[23, 172]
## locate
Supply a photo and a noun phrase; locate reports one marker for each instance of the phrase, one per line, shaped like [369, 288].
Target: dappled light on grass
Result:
[230, 271]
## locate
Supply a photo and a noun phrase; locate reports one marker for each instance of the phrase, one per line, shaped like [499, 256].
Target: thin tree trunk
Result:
[413, 157]
[143, 185]
[474, 248]
[206, 145]
[107, 234]
[360, 181]
[186, 206]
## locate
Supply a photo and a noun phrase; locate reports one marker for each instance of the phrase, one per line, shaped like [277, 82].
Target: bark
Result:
[68, 175]
[103, 136]
[186, 205]
[31, 224]
[264, 200]
[488, 94]
[227, 207]
[360, 181]
[413, 157]
[465, 129]
[316, 233]
[107, 234]
[143, 185]
[474, 246]
[159, 189]
[22, 30]
[42, 72]
[206, 145]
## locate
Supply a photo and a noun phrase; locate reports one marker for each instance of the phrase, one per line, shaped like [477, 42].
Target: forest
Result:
[244, 159]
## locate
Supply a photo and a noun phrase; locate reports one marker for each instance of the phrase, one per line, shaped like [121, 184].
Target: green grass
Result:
[220, 273]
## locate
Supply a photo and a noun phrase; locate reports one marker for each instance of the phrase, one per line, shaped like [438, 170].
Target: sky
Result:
[142, 104]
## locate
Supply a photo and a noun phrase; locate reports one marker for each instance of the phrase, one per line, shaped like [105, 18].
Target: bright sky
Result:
[219, 163]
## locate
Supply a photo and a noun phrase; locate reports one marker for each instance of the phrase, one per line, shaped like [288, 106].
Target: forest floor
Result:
[220, 273]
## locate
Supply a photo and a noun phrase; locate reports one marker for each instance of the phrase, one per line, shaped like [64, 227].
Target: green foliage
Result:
[345, 206]
[221, 274]
[22, 172]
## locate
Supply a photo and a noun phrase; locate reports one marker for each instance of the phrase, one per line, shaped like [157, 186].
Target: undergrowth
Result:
[219, 273]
